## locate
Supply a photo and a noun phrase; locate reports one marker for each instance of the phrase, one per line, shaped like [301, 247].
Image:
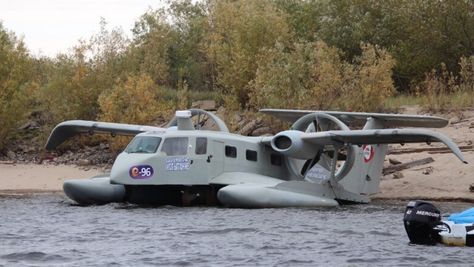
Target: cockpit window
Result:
[143, 144]
[175, 146]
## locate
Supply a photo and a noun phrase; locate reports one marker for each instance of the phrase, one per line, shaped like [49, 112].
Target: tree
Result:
[239, 30]
[138, 100]
[313, 75]
[17, 84]
[149, 51]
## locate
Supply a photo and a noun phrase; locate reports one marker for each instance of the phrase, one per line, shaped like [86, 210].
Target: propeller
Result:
[321, 122]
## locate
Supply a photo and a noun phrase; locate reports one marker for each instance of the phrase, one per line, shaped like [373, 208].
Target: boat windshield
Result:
[143, 144]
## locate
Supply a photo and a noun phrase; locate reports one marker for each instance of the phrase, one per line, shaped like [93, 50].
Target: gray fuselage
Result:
[197, 158]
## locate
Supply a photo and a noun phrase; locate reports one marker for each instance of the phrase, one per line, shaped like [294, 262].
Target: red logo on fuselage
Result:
[368, 152]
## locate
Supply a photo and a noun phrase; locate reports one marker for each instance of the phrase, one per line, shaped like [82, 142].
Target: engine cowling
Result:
[290, 144]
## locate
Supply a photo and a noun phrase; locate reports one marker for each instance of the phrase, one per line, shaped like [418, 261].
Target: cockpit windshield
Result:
[143, 144]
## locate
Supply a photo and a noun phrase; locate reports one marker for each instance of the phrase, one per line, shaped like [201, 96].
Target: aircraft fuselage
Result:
[195, 158]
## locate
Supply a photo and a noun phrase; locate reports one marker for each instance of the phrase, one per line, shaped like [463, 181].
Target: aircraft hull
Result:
[258, 196]
[94, 191]
[100, 191]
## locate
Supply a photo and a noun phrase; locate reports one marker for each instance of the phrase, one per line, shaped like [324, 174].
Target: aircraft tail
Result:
[360, 175]
[364, 177]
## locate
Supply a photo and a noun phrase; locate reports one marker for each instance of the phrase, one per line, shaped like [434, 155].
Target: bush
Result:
[239, 30]
[313, 75]
[372, 80]
[136, 101]
[442, 90]
[71, 91]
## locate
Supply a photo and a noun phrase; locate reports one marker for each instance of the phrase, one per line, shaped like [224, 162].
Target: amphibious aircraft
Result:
[319, 161]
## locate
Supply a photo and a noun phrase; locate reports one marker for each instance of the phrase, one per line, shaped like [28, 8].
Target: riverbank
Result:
[446, 178]
[17, 179]
[449, 179]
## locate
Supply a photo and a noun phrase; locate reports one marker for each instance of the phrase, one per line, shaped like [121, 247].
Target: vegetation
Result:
[17, 84]
[314, 76]
[248, 54]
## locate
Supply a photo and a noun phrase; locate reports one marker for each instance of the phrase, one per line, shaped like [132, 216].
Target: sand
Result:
[449, 178]
[36, 178]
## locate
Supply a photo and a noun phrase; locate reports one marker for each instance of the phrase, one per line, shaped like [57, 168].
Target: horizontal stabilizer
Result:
[360, 118]
[68, 129]
[380, 136]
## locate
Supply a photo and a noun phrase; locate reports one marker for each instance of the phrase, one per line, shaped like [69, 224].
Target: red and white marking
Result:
[368, 152]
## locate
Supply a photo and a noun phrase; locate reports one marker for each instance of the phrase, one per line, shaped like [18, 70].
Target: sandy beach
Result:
[450, 179]
[38, 178]
[447, 178]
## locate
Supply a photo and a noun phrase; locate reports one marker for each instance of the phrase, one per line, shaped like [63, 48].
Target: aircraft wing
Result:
[360, 118]
[68, 129]
[380, 136]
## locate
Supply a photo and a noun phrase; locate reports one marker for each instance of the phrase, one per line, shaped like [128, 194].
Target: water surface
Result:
[48, 230]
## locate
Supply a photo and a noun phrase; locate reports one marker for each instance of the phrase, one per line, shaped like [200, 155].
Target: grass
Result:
[442, 102]
[394, 103]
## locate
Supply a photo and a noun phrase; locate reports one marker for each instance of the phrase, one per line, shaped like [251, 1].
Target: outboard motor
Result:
[420, 219]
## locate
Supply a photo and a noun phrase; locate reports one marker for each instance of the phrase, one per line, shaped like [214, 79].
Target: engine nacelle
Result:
[290, 144]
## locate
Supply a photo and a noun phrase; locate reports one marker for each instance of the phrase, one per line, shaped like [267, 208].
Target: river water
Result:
[48, 230]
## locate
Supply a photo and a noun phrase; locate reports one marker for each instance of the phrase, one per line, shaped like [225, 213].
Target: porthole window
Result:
[251, 155]
[230, 151]
[276, 159]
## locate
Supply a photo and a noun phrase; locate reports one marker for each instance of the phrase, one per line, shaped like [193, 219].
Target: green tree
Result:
[187, 56]
[419, 34]
[71, 91]
[76, 80]
[149, 51]
[17, 84]
[239, 30]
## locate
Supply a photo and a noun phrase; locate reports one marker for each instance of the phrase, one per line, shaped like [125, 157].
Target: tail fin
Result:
[364, 177]
[366, 172]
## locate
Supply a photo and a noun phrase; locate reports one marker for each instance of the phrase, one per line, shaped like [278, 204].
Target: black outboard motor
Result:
[419, 220]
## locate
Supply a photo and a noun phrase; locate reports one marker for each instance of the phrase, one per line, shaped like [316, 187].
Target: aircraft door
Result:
[215, 158]
[200, 168]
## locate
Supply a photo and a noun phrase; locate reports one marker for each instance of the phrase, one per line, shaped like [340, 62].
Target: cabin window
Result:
[251, 155]
[276, 159]
[201, 145]
[143, 145]
[230, 151]
[175, 146]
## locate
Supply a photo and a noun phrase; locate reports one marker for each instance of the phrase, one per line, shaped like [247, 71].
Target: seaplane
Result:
[318, 162]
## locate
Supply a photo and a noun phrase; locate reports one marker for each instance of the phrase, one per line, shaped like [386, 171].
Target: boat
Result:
[425, 225]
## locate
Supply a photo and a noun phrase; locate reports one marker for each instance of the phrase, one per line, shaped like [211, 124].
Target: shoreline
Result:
[28, 180]
[32, 193]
